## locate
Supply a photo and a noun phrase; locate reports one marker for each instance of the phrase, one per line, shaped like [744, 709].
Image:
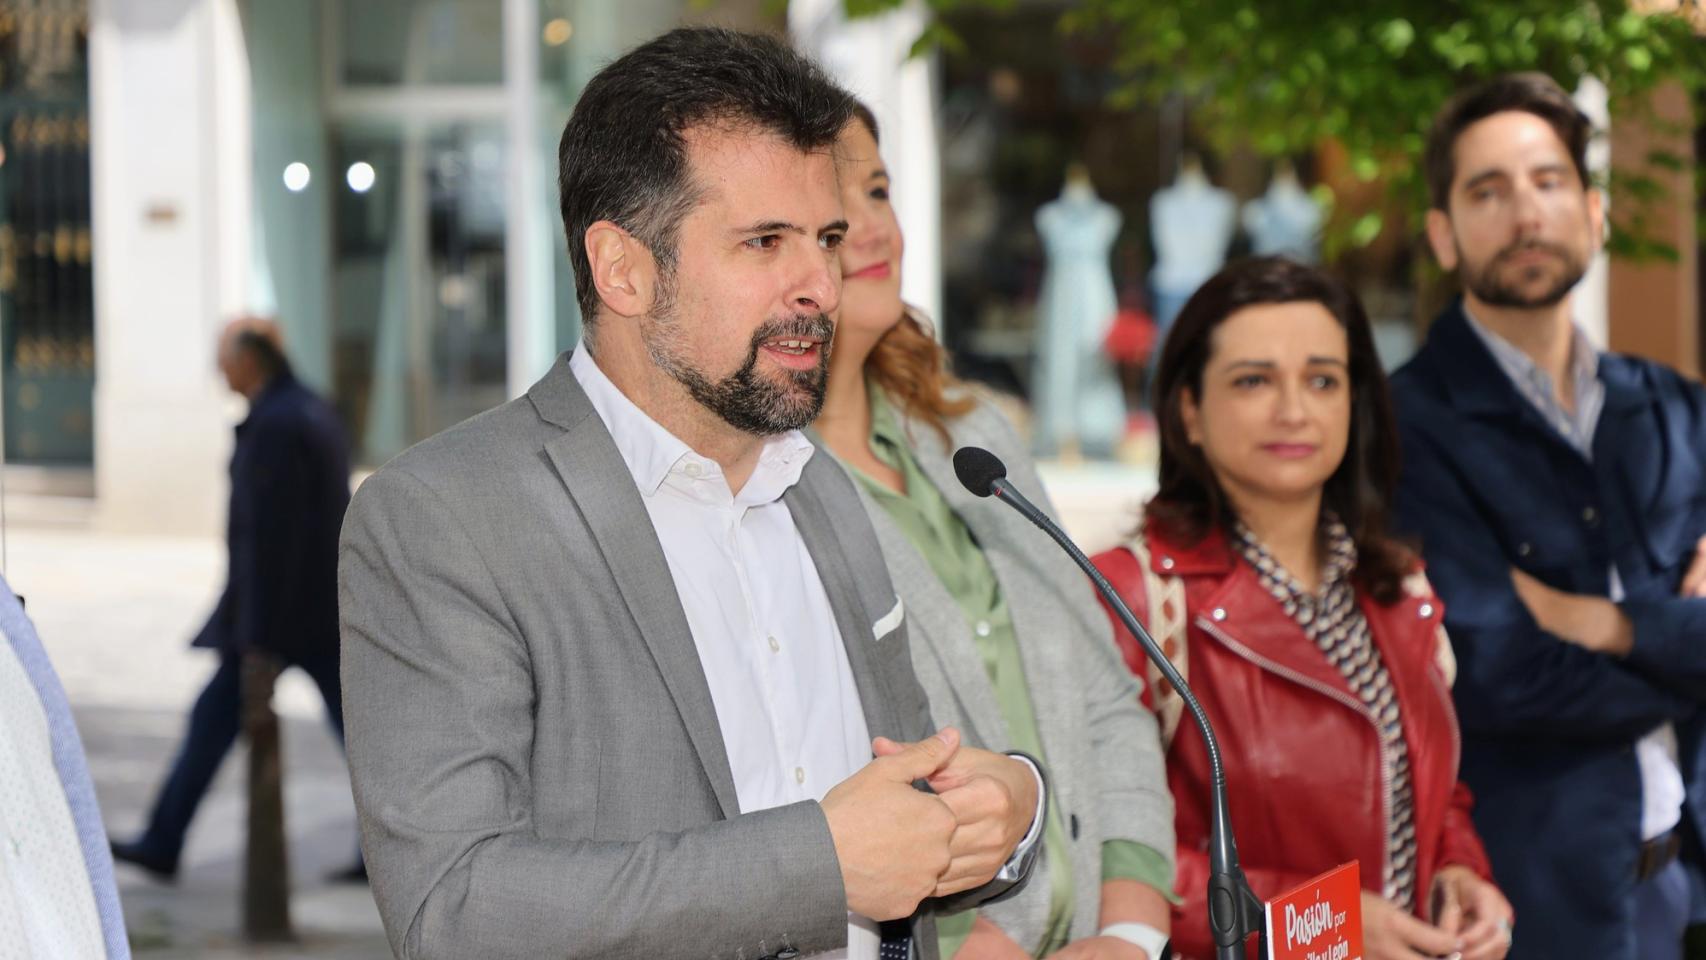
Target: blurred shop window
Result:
[576, 38]
[387, 42]
[1017, 119]
[47, 316]
[418, 280]
[396, 233]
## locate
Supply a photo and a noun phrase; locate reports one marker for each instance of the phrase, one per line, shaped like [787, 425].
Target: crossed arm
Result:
[1657, 636]
[1515, 675]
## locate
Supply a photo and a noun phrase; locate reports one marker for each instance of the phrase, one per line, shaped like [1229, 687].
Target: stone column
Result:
[170, 144]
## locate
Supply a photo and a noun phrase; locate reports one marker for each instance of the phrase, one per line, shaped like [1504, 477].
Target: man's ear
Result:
[1596, 216]
[1440, 239]
[623, 270]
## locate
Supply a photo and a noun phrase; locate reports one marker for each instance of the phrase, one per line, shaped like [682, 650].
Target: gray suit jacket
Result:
[537, 763]
[1102, 747]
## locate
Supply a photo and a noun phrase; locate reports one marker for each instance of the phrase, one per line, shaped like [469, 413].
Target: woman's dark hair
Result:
[1190, 503]
[908, 362]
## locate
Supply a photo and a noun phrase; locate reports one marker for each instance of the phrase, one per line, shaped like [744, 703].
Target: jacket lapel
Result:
[1626, 402]
[1625, 435]
[1477, 385]
[935, 622]
[1046, 669]
[1408, 644]
[1630, 449]
[598, 481]
[858, 596]
[1042, 670]
[1236, 610]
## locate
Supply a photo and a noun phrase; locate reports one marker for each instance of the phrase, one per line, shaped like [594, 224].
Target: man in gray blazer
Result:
[615, 652]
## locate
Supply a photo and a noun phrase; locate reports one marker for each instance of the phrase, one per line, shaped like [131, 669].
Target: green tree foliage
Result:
[1282, 76]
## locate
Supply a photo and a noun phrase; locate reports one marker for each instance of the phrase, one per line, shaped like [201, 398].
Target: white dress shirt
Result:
[789, 711]
[791, 718]
[47, 907]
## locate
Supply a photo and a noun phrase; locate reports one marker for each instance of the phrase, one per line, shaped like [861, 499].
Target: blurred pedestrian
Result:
[1556, 492]
[57, 897]
[1265, 571]
[289, 487]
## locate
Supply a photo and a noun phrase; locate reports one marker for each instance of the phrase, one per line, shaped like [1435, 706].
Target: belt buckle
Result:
[1656, 854]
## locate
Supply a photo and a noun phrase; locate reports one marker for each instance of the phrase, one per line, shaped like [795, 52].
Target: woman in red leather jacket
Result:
[1311, 638]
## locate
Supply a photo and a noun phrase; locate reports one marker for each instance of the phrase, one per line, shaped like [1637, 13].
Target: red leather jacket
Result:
[1302, 755]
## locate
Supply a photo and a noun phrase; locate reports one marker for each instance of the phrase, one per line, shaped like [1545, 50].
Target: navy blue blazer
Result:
[290, 477]
[1549, 728]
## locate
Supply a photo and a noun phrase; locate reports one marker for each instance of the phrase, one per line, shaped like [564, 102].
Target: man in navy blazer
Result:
[289, 488]
[1559, 494]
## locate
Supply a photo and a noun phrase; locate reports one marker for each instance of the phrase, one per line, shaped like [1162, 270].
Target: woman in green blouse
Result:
[1007, 638]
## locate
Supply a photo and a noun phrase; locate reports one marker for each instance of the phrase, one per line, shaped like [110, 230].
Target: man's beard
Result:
[1490, 288]
[746, 399]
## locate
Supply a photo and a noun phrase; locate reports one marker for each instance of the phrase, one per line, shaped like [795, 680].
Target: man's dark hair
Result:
[1534, 93]
[264, 350]
[1190, 503]
[623, 156]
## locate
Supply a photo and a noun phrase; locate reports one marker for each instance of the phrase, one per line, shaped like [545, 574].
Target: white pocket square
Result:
[885, 626]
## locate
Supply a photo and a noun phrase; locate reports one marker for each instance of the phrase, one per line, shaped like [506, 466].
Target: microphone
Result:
[1233, 910]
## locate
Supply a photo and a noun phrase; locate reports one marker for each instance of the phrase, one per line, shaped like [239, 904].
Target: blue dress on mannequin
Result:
[1192, 222]
[1285, 221]
[1075, 390]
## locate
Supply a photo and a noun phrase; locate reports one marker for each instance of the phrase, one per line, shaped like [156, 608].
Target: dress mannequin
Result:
[1075, 389]
[1192, 221]
[1285, 221]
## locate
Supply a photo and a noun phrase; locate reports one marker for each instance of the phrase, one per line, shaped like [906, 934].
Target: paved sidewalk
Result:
[116, 615]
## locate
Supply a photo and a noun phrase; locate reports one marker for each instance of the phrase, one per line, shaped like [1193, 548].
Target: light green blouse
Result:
[945, 542]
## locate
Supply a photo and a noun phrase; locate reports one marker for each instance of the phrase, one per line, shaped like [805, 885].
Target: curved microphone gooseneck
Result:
[1233, 910]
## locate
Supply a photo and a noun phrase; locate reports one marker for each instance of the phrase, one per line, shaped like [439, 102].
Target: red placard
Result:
[1319, 920]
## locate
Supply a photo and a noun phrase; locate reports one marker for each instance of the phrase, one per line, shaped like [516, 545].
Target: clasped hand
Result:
[1473, 922]
[898, 845]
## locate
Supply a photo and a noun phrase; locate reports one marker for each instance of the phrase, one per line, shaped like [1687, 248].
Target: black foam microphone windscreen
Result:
[978, 469]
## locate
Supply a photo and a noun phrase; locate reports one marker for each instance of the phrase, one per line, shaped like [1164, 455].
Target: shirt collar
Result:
[655, 456]
[887, 435]
[1522, 370]
[1338, 560]
[779, 467]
